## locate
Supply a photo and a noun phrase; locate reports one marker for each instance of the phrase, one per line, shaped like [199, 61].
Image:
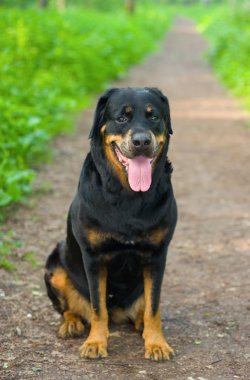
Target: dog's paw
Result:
[71, 328]
[158, 350]
[93, 350]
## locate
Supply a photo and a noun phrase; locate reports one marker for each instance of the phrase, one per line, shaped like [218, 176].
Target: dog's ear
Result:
[99, 113]
[165, 102]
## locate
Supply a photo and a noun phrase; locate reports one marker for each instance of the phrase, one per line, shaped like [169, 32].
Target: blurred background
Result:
[55, 55]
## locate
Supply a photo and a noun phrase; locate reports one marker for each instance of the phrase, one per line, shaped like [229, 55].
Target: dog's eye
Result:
[121, 119]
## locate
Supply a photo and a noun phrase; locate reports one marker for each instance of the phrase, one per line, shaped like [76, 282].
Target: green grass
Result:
[7, 246]
[228, 33]
[50, 66]
[30, 257]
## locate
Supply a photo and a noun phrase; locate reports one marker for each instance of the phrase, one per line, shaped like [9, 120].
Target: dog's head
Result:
[133, 127]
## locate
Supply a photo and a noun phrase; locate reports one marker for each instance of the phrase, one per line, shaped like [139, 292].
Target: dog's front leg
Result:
[156, 347]
[95, 345]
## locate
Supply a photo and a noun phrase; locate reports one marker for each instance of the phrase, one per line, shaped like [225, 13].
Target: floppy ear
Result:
[99, 113]
[165, 102]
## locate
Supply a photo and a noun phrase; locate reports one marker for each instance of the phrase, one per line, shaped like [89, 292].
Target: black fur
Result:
[103, 203]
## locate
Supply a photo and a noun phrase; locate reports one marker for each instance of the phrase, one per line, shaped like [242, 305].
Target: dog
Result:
[119, 226]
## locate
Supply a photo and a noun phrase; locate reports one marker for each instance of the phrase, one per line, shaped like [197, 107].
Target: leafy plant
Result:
[50, 65]
[227, 29]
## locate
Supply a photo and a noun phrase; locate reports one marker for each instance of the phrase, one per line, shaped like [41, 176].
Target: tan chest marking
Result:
[156, 236]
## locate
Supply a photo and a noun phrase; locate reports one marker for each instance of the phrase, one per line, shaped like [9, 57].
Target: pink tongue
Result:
[139, 173]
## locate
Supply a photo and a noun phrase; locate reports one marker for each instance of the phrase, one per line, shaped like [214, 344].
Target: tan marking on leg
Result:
[77, 308]
[135, 313]
[77, 304]
[59, 279]
[95, 345]
[139, 321]
[156, 346]
[119, 315]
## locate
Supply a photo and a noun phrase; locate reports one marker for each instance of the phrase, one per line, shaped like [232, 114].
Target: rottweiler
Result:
[119, 225]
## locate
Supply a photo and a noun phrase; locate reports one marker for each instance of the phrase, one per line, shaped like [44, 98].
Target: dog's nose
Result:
[141, 140]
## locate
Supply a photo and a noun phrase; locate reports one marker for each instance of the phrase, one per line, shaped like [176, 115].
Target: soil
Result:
[205, 298]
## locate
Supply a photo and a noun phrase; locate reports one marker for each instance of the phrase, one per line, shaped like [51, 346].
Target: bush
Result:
[49, 66]
[228, 33]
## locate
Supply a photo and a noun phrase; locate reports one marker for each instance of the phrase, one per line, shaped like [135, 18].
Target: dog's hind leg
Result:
[134, 313]
[65, 298]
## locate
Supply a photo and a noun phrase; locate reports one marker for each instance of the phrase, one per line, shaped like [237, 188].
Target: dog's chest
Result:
[98, 238]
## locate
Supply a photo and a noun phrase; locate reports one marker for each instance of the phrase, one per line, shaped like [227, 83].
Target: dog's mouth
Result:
[138, 170]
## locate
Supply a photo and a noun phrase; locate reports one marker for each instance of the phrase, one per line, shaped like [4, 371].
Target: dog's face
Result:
[133, 125]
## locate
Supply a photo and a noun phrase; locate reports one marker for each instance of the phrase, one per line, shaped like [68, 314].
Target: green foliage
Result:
[50, 64]
[228, 32]
[100, 5]
[17, 3]
[7, 246]
[107, 5]
[30, 257]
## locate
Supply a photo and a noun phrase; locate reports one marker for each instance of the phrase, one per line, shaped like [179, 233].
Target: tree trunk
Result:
[130, 6]
[43, 3]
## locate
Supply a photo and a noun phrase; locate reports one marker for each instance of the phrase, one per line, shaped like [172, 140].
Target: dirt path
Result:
[206, 298]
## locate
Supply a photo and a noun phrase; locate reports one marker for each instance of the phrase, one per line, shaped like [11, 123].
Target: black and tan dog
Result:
[120, 224]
